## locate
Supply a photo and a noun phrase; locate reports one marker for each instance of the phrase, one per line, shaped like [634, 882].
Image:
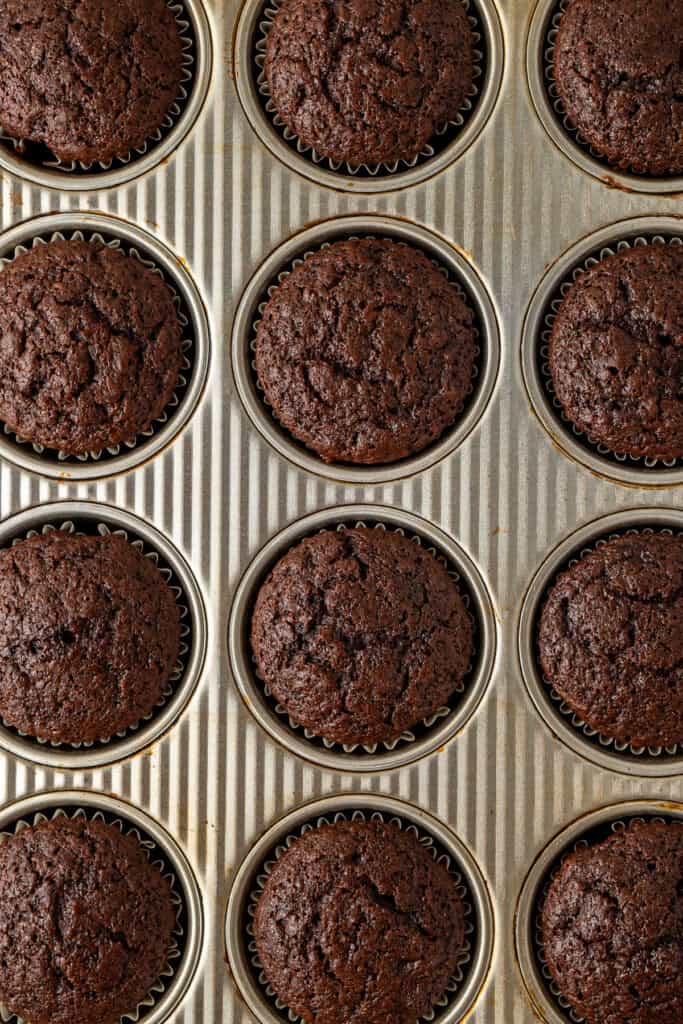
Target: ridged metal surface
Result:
[505, 785]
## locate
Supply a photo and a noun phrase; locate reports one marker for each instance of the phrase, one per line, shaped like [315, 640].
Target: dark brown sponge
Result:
[86, 923]
[357, 924]
[612, 927]
[369, 81]
[90, 346]
[89, 79]
[360, 634]
[619, 75]
[610, 639]
[366, 352]
[89, 634]
[616, 352]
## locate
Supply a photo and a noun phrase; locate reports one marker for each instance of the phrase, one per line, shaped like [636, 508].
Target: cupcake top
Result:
[89, 79]
[90, 346]
[610, 639]
[618, 73]
[360, 634]
[358, 924]
[86, 923]
[369, 81]
[366, 351]
[612, 927]
[89, 635]
[616, 352]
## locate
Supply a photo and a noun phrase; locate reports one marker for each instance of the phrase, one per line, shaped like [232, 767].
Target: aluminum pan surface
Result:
[505, 786]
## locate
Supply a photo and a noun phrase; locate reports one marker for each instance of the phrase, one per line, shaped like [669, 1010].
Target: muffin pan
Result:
[507, 496]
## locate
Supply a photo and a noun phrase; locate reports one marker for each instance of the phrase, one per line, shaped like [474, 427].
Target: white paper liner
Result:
[620, 825]
[558, 106]
[150, 848]
[443, 135]
[553, 308]
[179, 668]
[187, 349]
[408, 736]
[23, 147]
[426, 840]
[596, 737]
[297, 262]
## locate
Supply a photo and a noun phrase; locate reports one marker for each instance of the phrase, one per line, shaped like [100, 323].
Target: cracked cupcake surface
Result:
[369, 81]
[612, 927]
[619, 75]
[616, 352]
[89, 635]
[610, 639]
[360, 634]
[365, 352]
[90, 346]
[89, 79]
[357, 924]
[86, 923]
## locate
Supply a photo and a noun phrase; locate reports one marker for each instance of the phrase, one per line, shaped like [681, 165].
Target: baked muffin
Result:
[89, 79]
[612, 927]
[89, 635]
[360, 634]
[610, 639]
[86, 923]
[357, 924]
[366, 352]
[618, 73]
[368, 81]
[90, 346]
[616, 352]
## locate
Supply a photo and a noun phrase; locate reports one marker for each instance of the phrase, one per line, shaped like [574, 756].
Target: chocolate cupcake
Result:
[618, 73]
[610, 639]
[90, 80]
[89, 635]
[358, 924]
[366, 352]
[612, 927]
[616, 352]
[86, 923]
[368, 82]
[90, 346]
[360, 634]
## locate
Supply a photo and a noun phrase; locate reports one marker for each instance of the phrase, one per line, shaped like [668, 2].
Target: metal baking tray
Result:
[512, 206]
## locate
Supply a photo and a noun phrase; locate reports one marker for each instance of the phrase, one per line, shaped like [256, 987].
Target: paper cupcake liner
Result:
[557, 105]
[441, 856]
[410, 735]
[299, 260]
[188, 347]
[444, 134]
[564, 709]
[40, 154]
[593, 836]
[552, 309]
[156, 857]
[180, 667]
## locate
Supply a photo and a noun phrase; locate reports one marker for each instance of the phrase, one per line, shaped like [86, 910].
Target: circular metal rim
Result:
[85, 759]
[263, 420]
[559, 433]
[76, 220]
[177, 860]
[99, 181]
[569, 735]
[238, 959]
[525, 952]
[576, 154]
[247, 20]
[250, 689]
